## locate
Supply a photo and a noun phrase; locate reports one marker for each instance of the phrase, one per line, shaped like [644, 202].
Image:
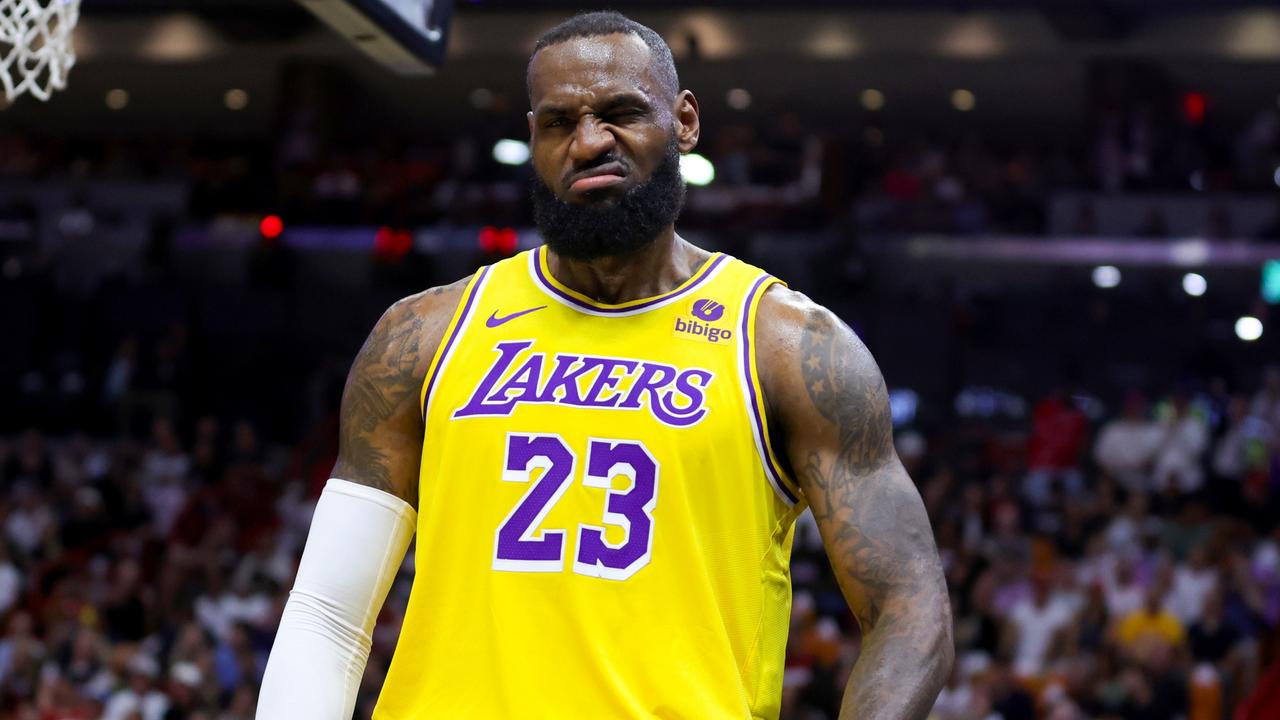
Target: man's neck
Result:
[658, 268]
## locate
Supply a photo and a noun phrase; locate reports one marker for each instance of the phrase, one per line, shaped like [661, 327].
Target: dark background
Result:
[169, 374]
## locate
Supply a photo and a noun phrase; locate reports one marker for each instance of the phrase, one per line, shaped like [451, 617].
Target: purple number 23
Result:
[520, 546]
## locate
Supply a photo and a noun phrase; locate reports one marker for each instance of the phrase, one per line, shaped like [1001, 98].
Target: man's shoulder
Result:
[430, 304]
[404, 340]
[783, 317]
[424, 315]
[794, 332]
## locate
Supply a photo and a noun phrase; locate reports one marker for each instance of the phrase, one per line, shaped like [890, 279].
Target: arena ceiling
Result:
[1025, 63]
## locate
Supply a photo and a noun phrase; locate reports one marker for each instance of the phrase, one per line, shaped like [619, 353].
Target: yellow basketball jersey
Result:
[603, 528]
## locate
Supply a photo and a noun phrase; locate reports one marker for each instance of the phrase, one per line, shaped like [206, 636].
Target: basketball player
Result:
[607, 440]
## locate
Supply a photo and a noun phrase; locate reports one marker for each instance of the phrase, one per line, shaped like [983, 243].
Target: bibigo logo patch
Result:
[708, 310]
[700, 326]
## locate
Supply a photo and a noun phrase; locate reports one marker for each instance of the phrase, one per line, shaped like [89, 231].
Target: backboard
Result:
[407, 36]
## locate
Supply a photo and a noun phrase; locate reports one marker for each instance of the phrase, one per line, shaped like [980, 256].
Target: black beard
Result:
[611, 228]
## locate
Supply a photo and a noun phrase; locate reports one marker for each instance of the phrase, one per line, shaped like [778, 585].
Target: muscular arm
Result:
[827, 398]
[380, 425]
[363, 521]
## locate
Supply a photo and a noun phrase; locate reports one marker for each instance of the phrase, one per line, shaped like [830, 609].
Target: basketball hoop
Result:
[35, 45]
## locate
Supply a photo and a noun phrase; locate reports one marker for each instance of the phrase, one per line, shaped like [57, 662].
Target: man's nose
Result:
[591, 140]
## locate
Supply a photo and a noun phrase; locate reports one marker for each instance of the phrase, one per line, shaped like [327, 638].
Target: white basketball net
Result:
[35, 45]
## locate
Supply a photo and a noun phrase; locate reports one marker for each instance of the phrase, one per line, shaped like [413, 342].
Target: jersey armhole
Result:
[457, 325]
[783, 484]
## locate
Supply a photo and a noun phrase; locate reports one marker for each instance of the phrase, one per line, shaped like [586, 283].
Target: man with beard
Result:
[603, 444]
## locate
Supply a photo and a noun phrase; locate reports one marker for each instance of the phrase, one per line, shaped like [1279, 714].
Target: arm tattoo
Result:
[380, 431]
[382, 379]
[876, 530]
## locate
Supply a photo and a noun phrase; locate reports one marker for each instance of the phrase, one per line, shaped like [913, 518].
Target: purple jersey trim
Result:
[759, 431]
[464, 317]
[535, 262]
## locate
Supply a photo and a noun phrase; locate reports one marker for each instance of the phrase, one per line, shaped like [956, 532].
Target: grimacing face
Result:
[600, 122]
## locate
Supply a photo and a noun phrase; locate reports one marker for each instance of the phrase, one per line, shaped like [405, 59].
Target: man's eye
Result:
[558, 122]
[625, 115]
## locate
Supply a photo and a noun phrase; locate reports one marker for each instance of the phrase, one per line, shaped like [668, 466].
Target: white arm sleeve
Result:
[357, 540]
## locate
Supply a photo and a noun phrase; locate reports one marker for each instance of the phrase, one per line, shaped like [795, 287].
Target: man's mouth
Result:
[601, 176]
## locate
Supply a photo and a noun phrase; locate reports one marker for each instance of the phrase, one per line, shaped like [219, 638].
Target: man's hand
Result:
[380, 425]
[828, 402]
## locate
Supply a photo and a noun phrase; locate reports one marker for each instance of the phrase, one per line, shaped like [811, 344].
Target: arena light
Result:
[1106, 276]
[963, 100]
[974, 37]
[1194, 106]
[511, 152]
[117, 98]
[1194, 284]
[1271, 282]
[696, 169]
[871, 99]
[236, 99]
[392, 244]
[738, 99]
[1191, 252]
[1248, 328]
[1275, 177]
[181, 37]
[495, 240]
[271, 227]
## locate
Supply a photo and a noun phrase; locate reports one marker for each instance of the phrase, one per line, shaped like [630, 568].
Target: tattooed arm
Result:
[359, 534]
[380, 425]
[828, 402]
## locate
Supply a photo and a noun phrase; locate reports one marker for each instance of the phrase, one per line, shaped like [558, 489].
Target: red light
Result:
[1193, 107]
[501, 241]
[390, 244]
[271, 227]
[507, 241]
[488, 238]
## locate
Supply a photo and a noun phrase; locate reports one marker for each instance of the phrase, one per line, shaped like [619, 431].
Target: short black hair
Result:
[610, 22]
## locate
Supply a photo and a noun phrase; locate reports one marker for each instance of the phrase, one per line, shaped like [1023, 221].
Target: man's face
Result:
[599, 124]
[605, 146]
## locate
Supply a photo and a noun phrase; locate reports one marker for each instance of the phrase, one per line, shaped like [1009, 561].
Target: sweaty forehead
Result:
[582, 67]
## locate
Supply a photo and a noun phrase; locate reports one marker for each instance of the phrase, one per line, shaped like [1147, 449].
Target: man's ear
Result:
[688, 125]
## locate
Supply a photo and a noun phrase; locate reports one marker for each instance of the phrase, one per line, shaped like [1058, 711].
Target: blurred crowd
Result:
[1127, 569]
[779, 170]
[1117, 565]
[141, 580]
[1122, 565]
[978, 183]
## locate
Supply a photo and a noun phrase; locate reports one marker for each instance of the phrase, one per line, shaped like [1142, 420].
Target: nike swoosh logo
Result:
[494, 321]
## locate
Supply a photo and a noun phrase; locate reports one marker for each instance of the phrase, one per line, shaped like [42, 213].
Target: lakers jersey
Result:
[603, 528]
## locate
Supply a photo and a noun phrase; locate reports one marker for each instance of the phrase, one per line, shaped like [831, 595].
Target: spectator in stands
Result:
[1126, 445]
[1142, 632]
[1231, 454]
[1178, 459]
[1053, 450]
[139, 697]
[1194, 582]
[10, 580]
[1124, 591]
[1035, 627]
[30, 524]
[1266, 402]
